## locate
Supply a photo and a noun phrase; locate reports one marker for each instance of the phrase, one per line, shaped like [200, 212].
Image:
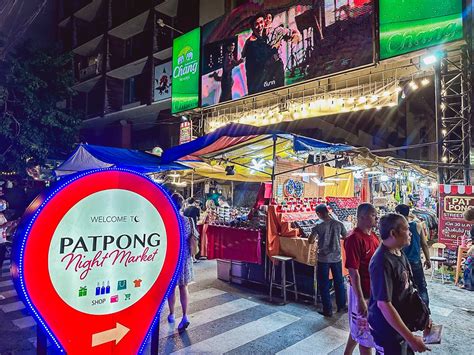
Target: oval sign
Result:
[96, 257]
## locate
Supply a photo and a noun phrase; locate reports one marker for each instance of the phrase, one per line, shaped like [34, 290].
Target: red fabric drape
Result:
[236, 244]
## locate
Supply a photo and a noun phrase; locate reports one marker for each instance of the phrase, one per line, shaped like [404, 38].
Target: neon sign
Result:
[95, 251]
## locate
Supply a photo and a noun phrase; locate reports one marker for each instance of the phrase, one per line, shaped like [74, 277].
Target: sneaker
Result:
[170, 318]
[183, 324]
[325, 313]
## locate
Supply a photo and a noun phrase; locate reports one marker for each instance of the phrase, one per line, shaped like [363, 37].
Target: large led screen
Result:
[185, 90]
[259, 47]
[410, 25]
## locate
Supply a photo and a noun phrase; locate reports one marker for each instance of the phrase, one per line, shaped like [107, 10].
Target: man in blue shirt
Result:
[413, 253]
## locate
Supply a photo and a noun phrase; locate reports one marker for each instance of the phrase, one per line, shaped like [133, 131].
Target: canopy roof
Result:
[248, 149]
[88, 156]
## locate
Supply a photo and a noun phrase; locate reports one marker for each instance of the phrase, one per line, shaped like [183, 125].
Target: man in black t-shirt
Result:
[391, 287]
[192, 211]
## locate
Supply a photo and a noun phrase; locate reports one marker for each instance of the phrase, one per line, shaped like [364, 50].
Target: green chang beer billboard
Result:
[186, 58]
[411, 25]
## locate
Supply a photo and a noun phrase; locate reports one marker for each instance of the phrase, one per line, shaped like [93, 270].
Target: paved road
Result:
[236, 320]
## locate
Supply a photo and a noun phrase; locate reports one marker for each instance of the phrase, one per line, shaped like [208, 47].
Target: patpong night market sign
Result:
[96, 256]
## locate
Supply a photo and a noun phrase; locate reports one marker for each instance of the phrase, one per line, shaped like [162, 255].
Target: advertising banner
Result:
[186, 58]
[454, 200]
[96, 258]
[409, 25]
[163, 81]
[259, 47]
[185, 132]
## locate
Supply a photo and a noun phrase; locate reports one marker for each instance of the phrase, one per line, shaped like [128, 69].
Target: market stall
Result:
[299, 173]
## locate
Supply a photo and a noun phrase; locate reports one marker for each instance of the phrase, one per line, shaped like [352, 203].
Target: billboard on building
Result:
[409, 25]
[162, 84]
[186, 58]
[259, 47]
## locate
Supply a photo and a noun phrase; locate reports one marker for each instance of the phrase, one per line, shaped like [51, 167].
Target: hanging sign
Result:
[185, 132]
[95, 259]
[454, 200]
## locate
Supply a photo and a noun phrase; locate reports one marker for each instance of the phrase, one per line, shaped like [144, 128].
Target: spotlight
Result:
[429, 59]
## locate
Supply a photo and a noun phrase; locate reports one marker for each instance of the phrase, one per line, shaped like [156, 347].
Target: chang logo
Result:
[186, 64]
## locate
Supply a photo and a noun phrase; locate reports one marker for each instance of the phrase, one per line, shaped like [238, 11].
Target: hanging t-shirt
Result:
[391, 282]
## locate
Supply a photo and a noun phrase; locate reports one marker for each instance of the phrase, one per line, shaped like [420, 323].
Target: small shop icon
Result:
[127, 296]
[137, 282]
[114, 299]
[82, 291]
[122, 285]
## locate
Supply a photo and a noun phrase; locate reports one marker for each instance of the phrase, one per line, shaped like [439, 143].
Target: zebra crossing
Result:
[222, 321]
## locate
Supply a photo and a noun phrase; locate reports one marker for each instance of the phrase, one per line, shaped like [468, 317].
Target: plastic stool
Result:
[284, 284]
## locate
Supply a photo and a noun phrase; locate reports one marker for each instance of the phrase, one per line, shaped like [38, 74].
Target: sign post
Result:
[97, 256]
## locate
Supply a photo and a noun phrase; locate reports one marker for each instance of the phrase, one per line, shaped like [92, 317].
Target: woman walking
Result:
[187, 274]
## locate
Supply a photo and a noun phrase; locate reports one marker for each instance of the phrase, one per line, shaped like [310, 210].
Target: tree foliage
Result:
[32, 123]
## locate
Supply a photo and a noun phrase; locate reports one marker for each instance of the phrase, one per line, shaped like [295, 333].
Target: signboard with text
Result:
[186, 58]
[96, 251]
[454, 200]
[185, 132]
[411, 25]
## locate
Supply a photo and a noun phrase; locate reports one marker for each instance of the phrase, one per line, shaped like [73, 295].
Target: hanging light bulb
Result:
[413, 85]
[425, 82]
[362, 99]
[444, 132]
[444, 159]
[374, 98]
[367, 107]
[386, 93]
[350, 100]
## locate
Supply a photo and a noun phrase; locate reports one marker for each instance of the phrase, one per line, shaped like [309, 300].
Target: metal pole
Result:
[438, 118]
[155, 339]
[41, 342]
[274, 163]
[192, 184]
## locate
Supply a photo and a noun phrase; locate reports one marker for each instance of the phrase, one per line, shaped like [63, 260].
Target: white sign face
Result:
[107, 252]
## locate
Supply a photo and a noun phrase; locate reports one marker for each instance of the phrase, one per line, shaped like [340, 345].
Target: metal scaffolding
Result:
[453, 111]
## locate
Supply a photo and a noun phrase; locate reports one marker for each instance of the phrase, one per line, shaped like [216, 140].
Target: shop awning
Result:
[247, 149]
[88, 156]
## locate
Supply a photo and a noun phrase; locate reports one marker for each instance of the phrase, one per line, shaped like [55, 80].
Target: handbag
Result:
[194, 241]
[416, 314]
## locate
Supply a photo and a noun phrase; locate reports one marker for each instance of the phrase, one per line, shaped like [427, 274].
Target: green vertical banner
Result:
[186, 74]
[411, 25]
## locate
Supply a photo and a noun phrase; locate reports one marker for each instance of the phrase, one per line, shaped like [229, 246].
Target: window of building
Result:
[129, 91]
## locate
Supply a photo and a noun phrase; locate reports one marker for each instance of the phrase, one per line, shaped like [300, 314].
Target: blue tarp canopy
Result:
[88, 156]
[236, 134]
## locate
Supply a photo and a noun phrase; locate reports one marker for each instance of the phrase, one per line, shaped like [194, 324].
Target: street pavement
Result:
[232, 319]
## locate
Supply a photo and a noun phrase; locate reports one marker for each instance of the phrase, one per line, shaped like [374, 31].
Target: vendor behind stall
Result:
[329, 233]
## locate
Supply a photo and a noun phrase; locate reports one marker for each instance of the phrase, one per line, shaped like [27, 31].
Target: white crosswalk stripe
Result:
[24, 322]
[440, 311]
[211, 314]
[13, 306]
[329, 339]
[6, 283]
[7, 294]
[242, 335]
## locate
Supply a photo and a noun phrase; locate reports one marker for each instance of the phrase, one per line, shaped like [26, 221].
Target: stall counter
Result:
[236, 244]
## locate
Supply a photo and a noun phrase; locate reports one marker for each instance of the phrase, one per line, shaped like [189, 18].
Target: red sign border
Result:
[28, 221]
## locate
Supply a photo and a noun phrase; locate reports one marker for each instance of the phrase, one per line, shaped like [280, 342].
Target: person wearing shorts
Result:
[360, 245]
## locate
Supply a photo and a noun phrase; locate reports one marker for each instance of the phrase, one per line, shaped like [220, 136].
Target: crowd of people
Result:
[387, 298]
